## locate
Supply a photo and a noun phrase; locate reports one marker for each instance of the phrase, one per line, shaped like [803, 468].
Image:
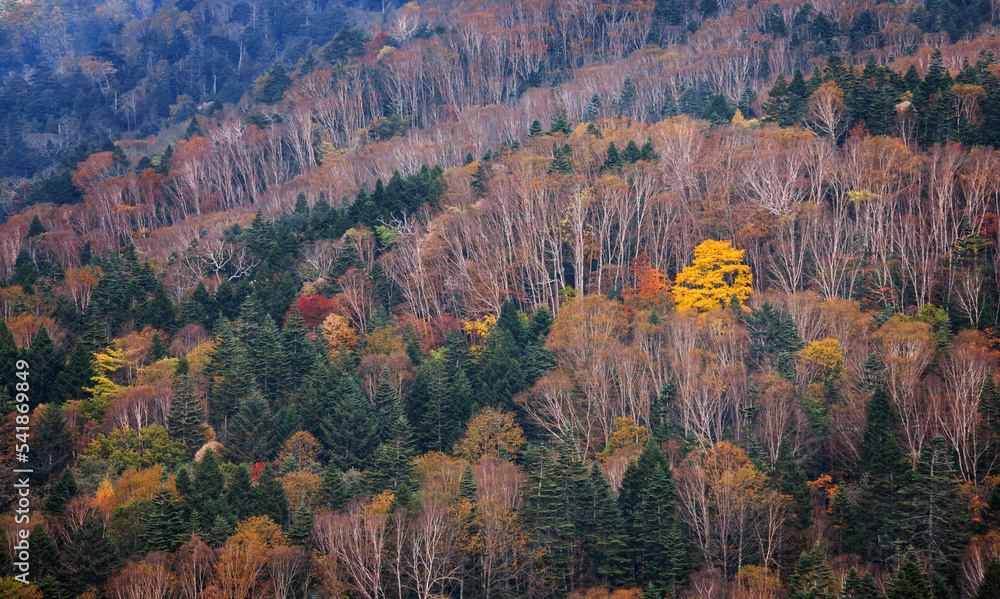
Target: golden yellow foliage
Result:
[339, 335]
[260, 530]
[756, 582]
[301, 488]
[823, 359]
[716, 276]
[381, 503]
[478, 330]
[385, 341]
[628, 436]
[490, 432]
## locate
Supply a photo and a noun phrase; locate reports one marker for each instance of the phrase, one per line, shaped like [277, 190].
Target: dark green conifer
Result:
[593, 108]
[467, 485]
[64, 490]
[250, 435]
[90, 555]
[626, 98]
[910, 582]
[165, 529]
[302, 524]
[238, 492]
[332, 492]
[52, 443]
[989, 586]
[350, 430]
[267, 497]
[77, 375]
[613, 159]
[930, 512]
[186, 418]
[560, 123]
[535, 129]
[392, 462]
[813, 578]
[47, 360]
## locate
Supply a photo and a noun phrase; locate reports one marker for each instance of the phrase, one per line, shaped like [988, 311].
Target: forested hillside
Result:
[544, 298]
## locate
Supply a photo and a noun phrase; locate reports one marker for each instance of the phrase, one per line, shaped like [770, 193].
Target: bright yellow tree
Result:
[717, 275]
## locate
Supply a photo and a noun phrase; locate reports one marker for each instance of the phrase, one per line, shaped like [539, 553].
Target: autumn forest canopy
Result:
[666, 299]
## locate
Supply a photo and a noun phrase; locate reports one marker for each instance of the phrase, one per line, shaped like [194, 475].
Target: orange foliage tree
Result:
[651, 290]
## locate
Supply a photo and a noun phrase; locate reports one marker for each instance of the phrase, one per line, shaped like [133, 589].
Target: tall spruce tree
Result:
[332, 492]
[350, 431]
[250, 436]
[392, 462]
[267, 497]
[930, 512]
[813, 578]
[910, 582]
[164, 526]
[884, 462]
[47, 361]
[228, 369]
[77, 375]
[186, 418]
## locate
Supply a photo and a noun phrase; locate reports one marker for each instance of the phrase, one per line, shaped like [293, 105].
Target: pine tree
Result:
[332, 492]
[387, 408]
[910, 582]
[661, 541]
[885, 462]
[500, 374]
[268, 360]
[613, 160]
[669, 106]
[36, 228]
[164, 526]
[186, 418]
[52, 443]
[745, 103]
[350, 431]
[302, 524]
[64, 490]
[631, 153]
[238, 492]
[47, 360]
[630, 504]
[863, 588]
[46, 563]
[930, 511]
[8, 357]
[392, 462]
[250, 436]
[547, 513]
[77, 375]
[593, 108]
[989, 405]
[535, 129]
[813, 578]
[90, 555]
[299, 349]
[989, 586]
[160, 312]
[229, 368]
[607, 542]
[626, 98]
[560, 123]
[267, 497]
[157, 349]
[467, 485]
